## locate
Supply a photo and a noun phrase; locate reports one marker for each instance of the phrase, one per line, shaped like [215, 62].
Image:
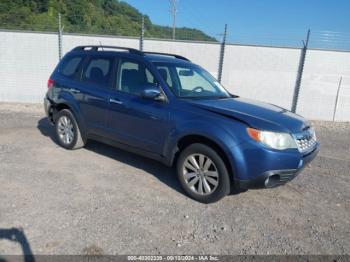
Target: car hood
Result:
[254, 113]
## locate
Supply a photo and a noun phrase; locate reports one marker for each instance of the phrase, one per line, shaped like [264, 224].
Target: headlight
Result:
[274, 140]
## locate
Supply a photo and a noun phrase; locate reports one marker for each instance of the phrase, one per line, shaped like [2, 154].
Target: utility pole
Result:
[173, 12]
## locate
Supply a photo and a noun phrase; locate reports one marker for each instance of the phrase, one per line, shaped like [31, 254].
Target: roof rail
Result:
[97, 47]
[131, 50]
[165, 54]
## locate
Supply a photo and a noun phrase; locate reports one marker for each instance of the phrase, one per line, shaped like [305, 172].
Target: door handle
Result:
[73, 90]
[115, 101]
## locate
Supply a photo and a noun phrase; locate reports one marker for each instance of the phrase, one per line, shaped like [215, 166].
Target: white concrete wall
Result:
[320, 82]
[71, 41]
[204, 54]
[26, 62]
[263, 73]
[28, 59]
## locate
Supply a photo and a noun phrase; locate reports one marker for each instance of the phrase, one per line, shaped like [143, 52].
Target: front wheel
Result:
[203, 173]
[67, 130]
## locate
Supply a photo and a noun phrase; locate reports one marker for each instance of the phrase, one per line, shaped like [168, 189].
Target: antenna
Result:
[101, 45]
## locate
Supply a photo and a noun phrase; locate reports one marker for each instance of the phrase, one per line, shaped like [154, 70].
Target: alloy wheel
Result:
[65, 130]
[200, 174]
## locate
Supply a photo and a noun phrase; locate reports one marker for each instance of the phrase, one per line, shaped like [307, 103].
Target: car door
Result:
[134, 120]
[94, 88]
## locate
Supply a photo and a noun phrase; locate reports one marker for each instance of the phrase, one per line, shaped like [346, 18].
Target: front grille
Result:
[306, 140]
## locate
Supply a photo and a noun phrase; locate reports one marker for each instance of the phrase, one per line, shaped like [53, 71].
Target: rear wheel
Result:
[203, 173]
[67, 130]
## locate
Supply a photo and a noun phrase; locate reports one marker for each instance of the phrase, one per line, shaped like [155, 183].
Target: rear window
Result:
[70, 66]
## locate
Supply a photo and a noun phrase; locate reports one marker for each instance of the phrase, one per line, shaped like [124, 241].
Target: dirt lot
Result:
[102, 200]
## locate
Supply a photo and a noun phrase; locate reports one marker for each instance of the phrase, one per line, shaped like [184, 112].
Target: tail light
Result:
[50, 83]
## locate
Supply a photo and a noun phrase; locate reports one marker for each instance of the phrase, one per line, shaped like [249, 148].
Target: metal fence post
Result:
[142, 33]
[336, 98]
[300, 73]
[222, 54]
[60, 31]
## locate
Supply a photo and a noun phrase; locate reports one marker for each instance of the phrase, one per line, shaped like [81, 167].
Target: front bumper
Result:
[273, 178]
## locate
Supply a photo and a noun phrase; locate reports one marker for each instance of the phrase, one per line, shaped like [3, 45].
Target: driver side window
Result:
[133, 77]
[193, 80]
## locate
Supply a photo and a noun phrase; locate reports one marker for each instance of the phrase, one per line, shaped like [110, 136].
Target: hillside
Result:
[86, 16]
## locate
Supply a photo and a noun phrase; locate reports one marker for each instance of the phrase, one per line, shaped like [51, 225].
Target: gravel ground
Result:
[101, 200]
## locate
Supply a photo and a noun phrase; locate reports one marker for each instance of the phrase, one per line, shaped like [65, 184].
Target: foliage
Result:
[86, 16]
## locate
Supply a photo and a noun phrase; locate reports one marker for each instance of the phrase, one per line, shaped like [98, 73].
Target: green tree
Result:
[86, 16]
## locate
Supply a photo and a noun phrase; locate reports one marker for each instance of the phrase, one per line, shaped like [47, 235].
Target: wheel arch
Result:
[190, 139]
[61, 105]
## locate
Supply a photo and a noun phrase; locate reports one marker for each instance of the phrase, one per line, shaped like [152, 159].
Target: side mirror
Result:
[153, 93]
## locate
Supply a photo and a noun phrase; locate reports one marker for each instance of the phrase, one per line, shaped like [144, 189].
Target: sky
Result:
[282, 22]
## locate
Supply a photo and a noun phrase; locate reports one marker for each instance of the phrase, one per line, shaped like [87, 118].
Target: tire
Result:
[67, 130]
[212, 177]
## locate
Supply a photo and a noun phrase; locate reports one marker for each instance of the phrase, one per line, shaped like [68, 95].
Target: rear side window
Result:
[98, 71]
[70, 66]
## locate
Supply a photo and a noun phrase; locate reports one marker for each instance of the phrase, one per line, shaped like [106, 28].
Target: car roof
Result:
[125, 51]
[164, 59]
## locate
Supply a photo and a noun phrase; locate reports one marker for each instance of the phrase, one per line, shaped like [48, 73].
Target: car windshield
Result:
[191, 81]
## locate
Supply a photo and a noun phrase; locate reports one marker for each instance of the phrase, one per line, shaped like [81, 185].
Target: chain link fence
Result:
[301, 70]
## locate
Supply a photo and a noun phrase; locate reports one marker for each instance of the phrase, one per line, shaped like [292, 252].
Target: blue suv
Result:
[164, 107]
